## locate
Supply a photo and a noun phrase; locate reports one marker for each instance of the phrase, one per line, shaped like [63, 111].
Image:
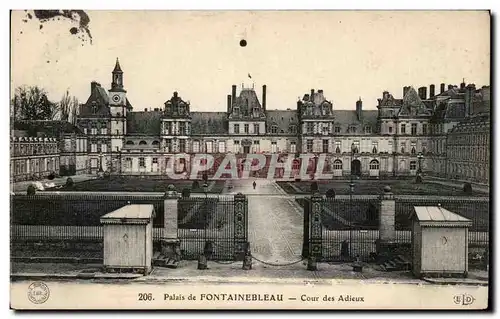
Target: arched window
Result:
[143, 143]
[130, 143]
[337, 164]
[374, 164]
[413, 151]
[155, 143]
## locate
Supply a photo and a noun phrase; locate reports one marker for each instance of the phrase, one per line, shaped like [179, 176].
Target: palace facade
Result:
[419, 131]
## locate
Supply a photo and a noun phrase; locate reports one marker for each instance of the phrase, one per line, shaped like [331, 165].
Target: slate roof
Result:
[346, 118]
[211, 123]
[99, 98]
[412, 105]
[283, 119]
[144, 123]
[46, 128]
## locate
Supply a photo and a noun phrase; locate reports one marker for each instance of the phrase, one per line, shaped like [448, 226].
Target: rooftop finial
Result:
[117, 66]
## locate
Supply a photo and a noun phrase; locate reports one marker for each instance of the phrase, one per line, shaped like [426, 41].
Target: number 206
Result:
[145, 296]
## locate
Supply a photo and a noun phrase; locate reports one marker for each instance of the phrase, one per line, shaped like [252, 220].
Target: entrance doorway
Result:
[356, 167]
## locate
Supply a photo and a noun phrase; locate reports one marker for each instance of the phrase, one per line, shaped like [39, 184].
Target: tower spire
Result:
[117, 67]
[117, 77]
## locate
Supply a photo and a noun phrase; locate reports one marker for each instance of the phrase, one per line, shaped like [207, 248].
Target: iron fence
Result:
[477, 209]
[46, 217]
[202, 220]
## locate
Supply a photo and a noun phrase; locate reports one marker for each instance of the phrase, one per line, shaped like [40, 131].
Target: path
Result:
[275, 224]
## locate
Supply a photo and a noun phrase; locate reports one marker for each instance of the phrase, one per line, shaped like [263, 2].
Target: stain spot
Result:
[243, 43]
[48, 61]
[24, 20]
[20, 32]
[73, 30]
[41, 26]
[79, 16]
[30, 16]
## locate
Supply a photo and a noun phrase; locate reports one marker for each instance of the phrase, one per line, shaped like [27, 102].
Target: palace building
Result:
[420, 131]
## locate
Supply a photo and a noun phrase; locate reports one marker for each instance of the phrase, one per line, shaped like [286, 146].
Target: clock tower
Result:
[117, 108]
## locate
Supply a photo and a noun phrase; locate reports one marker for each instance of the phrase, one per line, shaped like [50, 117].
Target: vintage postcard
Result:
[250, 159]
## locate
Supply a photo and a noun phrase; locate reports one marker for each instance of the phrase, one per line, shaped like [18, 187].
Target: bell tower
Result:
[117, 108]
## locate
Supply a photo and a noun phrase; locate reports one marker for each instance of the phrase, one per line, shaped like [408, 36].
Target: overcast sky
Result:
[347, 54]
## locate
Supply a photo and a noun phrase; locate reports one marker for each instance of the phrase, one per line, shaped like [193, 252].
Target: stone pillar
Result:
[170, 244]
[240, 226]
[387, 231]
[316, 231]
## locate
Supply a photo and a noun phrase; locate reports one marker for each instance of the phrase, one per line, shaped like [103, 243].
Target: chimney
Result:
[146, 109]
[405, 90]
[320, 91]
[469, 95]
[233, 94]
[312, 94]
[229, 103]
[359, 109]
[431, 91]
[442, 88]
[450, 86]
[422, 93]
[462, 85]
[264, 97]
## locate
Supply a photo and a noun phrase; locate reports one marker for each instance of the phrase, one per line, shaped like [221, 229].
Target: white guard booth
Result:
[439, 242]
[128, 239]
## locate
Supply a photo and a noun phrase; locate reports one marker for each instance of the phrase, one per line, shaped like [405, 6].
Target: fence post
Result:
[240, 225]
[170, 243]
[315, 231]
[387, 232]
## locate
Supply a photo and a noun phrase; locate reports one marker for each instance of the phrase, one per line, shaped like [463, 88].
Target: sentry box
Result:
[439, 242]
[128, 239]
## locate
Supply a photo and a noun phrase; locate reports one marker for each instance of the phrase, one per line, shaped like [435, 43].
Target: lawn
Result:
[137, 184]
[374, 187]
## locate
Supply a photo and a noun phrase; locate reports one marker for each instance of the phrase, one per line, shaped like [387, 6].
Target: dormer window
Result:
[143, 143]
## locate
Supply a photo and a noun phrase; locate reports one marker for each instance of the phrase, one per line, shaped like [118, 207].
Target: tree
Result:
[32, 103]
[68, 108]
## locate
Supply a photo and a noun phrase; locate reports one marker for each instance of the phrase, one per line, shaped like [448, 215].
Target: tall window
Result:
[325, 130]
[93, 148]
[352, 129]
[104, 148]
[196, 146]
[390, 146]
[424, 129]
[167, 127]
[293, 147]
[403, 128]
[355, 147]
[337, 129]
[337, 164]
[85, 130]
[222, 147]
[104, 131]
[246, 126]
[182, 146]
[209, 147]
[168, 146]
[413, 165]
[309, 127]
[325, 146]
[273, 147]
[292, 129]
[256, 128]
[374, 164]
[413, 128]
[390, 129]
[94, 131]
[142, 162]
[236, 146]
[236, 129]
[274, 129]
[368, 129]
[403, 148]
[309, 146]
[256, 146]
[155, 160]
[128, 163]
[182, 128]
[374, 147]
[338, 147]
[413, 148]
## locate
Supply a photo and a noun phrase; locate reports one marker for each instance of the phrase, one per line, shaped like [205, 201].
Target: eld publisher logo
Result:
[463, 299]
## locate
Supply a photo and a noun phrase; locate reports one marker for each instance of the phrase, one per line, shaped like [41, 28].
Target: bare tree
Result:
[68, 108]
[32, 103]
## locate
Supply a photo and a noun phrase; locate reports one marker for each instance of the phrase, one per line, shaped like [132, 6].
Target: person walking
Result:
[254, 184]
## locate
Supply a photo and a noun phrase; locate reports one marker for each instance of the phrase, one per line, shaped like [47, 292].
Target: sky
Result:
[347, 54]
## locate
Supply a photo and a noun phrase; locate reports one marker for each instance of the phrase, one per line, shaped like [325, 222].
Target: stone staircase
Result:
[396, 263]
[161, 260]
